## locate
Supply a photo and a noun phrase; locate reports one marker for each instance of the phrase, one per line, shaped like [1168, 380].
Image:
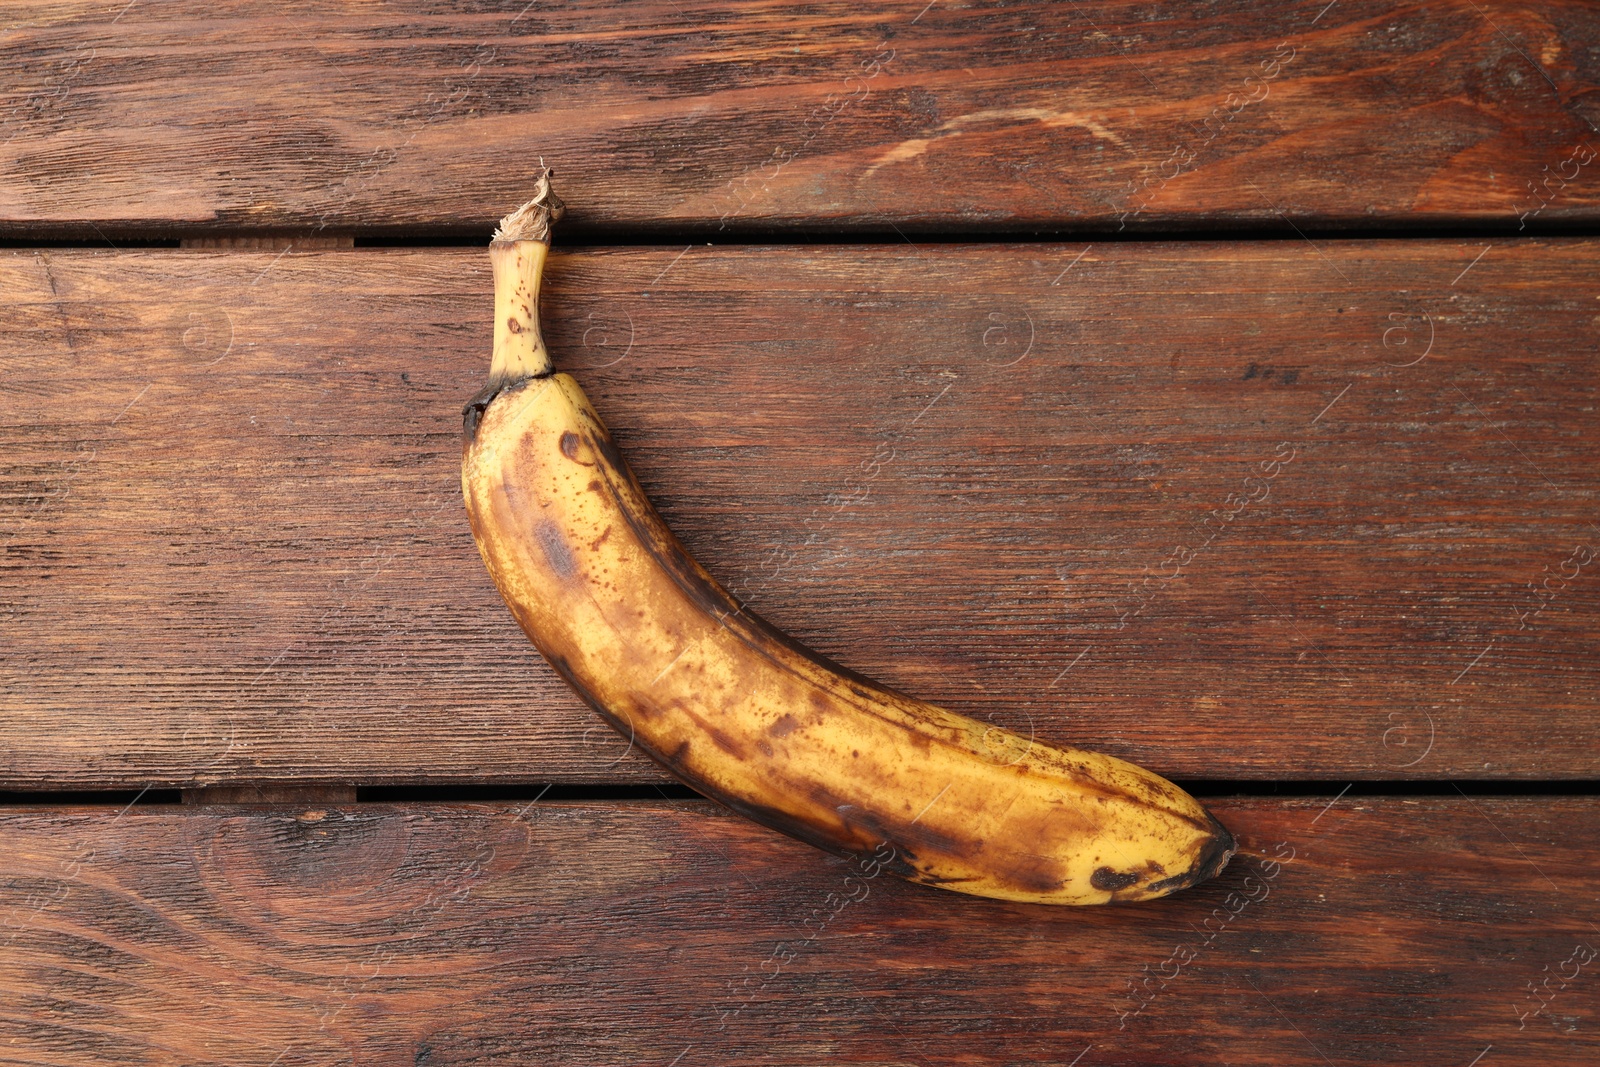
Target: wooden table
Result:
[956, 340]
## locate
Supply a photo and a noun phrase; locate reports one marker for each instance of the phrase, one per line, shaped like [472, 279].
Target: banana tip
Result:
[1216, 854]
[1209, 861]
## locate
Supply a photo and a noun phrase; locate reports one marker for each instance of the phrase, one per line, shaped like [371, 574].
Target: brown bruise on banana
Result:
[741, 712]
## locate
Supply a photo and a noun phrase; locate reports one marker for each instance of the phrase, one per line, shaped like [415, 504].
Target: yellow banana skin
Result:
[749, 717]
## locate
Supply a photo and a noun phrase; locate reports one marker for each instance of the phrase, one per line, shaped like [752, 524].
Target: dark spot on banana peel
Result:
[569, 444]
[1041, 878]
[513, 325]
[556, 549]
[559, 662]
[786, 725]
[729, 745]
[719, 737]
[1108, 880]
[894, 863]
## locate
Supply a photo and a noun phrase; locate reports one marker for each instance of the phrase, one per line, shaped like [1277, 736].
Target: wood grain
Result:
[235, 551]
[1374, 931]
[411, 117]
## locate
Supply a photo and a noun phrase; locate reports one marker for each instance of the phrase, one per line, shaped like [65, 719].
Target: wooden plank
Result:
[1096, 115]
[1374, 931]
[1269, 510]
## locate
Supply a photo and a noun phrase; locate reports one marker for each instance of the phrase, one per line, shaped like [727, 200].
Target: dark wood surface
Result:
[1094, 115]
[1293, 513]
[1366, 931]
[1218, 508]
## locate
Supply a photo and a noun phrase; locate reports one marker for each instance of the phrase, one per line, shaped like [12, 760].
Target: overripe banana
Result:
[743, 713]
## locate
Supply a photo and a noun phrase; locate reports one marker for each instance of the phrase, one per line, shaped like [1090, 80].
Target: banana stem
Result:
[519, 350]
[518, 252]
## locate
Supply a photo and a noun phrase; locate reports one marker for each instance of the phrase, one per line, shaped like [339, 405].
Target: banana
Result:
[743, 713]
